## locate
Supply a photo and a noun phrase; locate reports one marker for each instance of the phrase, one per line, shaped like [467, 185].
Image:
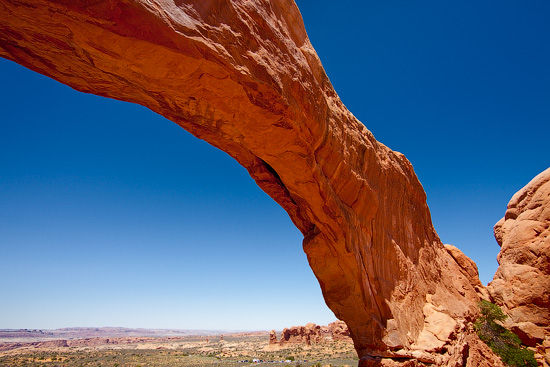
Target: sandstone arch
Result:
[243, 76]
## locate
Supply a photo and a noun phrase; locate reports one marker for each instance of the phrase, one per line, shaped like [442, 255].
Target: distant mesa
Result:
[87, 342]
[95, 337]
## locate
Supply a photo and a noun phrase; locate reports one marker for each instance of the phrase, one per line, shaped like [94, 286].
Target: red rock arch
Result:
[243, 76]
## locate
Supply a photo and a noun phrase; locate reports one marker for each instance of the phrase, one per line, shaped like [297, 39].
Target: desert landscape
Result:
[244, 77]
[309, 346]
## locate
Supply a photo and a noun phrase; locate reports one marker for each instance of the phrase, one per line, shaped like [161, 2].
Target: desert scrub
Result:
[502, 341]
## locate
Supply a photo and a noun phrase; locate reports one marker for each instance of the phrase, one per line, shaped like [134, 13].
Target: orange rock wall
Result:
[521, 285]
[243, 76]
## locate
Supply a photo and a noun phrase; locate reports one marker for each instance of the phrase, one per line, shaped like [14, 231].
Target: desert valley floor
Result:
[243, 349]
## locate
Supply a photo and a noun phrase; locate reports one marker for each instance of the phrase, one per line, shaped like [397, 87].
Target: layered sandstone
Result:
[521, 285]
[243, 76]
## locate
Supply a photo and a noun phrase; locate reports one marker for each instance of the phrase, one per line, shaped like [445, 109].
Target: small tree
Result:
[502, 341]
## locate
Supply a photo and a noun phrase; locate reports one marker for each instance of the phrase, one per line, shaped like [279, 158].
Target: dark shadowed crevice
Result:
[269, 181]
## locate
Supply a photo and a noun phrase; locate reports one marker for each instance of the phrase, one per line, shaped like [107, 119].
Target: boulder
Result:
[438, 327]
[529, 333]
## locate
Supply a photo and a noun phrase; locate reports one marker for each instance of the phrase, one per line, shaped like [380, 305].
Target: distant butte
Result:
[243, 76]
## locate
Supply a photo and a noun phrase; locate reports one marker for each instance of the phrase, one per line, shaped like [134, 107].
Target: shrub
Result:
[502, 341]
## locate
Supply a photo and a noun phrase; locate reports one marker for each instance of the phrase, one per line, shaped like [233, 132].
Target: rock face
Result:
[243, 75]
[521, 285]
[468, 267]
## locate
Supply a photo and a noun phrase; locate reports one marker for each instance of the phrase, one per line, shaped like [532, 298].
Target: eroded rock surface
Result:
[243, 76]
[273, 337]
[311, 334]
[521, 285]
[338, 330]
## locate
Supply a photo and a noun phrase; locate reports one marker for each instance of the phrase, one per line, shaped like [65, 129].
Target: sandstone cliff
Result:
[521, 285]
[243, 76]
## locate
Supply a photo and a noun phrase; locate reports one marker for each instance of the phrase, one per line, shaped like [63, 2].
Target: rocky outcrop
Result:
[312, 334]
[338, 330]
[243, 76]
[308, 334]
[469, 270]
[467, 265]
[272, 337]
[521, 285]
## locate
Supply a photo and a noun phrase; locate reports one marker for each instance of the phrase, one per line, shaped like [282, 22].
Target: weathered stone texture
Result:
[521, 285]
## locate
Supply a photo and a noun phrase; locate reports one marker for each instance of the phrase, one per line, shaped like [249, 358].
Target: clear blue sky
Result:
[111, 215]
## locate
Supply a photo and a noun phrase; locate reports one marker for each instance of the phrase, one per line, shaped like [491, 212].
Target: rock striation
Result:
[521, 285]
[243, 75]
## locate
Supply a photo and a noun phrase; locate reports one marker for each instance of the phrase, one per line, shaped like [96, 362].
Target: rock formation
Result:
[308, 334]
[272, 337]
[521, 285]
[468, 269]
[312, 334]
[339, 330]
[86, 342]
[243, 76]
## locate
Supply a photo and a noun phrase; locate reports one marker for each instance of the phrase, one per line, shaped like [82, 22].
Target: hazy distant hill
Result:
[91, 332]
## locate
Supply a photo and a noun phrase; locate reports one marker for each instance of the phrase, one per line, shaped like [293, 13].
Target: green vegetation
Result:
[501, 340]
